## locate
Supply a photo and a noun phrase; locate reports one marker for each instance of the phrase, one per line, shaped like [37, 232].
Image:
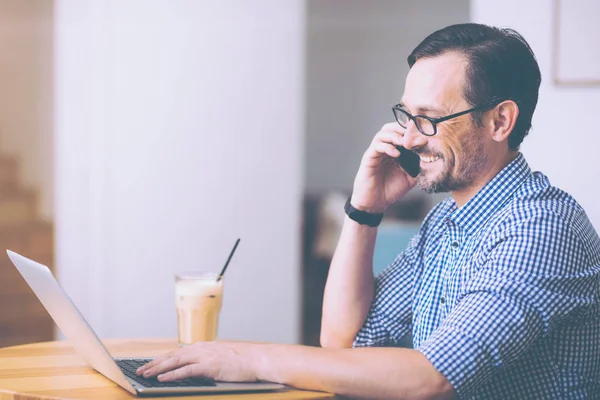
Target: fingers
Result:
[387, 136]
[153, 363]
[386, 148]
[167, 364]
[180, 373]
[384, 143]
[393, 127]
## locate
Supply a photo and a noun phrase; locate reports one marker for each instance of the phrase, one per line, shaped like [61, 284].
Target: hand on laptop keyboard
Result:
[129, 366]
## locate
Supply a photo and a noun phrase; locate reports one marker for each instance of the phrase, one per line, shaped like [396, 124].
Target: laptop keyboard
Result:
[129, 367]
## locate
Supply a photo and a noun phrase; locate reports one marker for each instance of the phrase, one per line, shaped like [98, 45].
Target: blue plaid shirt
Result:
[502, 295]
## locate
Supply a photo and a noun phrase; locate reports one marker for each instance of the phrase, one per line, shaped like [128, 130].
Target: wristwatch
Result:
[362, 217]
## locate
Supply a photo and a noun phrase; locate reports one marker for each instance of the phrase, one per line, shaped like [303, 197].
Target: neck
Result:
[462, 196]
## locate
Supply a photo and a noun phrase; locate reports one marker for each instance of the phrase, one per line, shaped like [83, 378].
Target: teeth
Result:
[428, 159]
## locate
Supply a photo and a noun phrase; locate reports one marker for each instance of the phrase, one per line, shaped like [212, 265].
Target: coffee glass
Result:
[198, 300]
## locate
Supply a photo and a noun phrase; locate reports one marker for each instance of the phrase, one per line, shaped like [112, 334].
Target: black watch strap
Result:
[362, 217]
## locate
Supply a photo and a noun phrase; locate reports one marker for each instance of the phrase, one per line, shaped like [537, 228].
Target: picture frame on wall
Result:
[576, 44]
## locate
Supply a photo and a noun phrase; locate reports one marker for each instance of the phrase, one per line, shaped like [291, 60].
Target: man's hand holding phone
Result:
[382, 177]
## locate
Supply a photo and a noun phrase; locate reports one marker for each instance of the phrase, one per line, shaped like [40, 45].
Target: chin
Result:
[432, 182]
[431, 186]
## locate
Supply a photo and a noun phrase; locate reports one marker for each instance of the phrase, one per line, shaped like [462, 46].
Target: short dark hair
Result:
[501, 65]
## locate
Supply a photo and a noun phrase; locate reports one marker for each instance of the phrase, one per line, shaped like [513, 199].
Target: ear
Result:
[503, 118]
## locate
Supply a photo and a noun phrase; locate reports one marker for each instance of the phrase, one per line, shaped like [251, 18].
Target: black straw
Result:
[228, 259]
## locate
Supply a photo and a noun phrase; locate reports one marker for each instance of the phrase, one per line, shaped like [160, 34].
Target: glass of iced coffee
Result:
[198, 299]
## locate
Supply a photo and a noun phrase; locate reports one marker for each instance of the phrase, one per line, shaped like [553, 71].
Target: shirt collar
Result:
[492, 196]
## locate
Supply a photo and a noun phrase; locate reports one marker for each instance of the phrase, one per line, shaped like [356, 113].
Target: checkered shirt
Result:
[502, 295]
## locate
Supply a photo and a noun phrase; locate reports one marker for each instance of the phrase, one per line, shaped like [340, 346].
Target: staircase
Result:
[23, 319]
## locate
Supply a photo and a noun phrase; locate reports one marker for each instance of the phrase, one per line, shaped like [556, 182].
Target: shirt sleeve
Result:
[390, 316]
[533, 276]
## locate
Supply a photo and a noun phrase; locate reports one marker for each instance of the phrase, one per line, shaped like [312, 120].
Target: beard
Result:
[453, 178]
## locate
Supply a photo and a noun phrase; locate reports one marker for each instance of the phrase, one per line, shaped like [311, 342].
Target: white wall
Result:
[178, 129]
[564, 140]
[26, 82]
[356, 67]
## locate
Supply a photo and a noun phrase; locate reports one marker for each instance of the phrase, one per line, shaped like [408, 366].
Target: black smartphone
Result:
[409, 161]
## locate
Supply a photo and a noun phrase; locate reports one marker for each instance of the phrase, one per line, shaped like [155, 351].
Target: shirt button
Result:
[455, 244]
[442, 300]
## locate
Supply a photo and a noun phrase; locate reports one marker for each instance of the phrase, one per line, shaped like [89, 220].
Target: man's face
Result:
[453, 158]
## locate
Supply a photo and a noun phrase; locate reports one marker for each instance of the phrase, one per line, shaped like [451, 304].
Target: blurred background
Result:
[139, 138]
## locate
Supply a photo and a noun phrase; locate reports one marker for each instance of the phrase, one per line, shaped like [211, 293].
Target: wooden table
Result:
[52, 370]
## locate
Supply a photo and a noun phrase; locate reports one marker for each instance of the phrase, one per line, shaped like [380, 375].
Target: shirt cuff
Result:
[463, 361]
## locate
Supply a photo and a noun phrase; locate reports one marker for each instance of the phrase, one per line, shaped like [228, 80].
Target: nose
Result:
[412, 137]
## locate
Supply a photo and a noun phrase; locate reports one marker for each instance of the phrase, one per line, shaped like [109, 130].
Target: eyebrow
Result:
[424, 108]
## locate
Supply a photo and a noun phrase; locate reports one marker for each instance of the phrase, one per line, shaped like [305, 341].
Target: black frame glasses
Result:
[398, 108]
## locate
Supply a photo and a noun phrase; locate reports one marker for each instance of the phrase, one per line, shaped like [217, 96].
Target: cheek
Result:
[455, 145]
[449, 149]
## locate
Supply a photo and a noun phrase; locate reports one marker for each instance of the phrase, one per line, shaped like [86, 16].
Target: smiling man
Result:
[500, 288]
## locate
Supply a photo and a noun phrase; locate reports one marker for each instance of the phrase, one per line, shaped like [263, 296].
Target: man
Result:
[500, 287]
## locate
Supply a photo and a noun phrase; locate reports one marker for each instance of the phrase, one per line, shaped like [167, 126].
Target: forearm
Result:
[374, 373]
[349, 289]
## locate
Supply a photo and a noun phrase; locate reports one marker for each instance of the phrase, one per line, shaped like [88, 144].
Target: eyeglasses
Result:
[427, 125]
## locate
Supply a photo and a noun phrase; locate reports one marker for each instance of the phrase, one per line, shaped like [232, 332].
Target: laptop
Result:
[87, 344]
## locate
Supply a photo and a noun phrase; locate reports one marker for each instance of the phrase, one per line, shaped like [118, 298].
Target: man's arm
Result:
[373, 373]
[349, 289]
[379, 182]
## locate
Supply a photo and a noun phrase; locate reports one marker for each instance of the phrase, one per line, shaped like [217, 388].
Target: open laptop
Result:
[85, 341]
